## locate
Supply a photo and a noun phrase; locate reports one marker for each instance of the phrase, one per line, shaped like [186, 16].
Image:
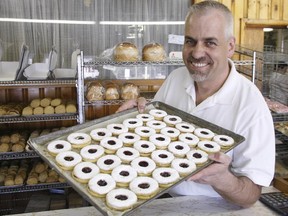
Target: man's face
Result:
[206, 47]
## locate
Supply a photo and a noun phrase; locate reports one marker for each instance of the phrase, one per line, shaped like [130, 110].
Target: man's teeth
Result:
[199, 64]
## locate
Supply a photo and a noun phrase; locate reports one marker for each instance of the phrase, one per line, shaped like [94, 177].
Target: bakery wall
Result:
[251, 16]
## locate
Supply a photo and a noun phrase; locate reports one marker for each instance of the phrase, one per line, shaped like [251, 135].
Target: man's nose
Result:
[198, 50]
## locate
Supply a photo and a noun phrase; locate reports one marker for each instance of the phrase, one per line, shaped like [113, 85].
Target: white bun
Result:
[126, 52]
[153, 52]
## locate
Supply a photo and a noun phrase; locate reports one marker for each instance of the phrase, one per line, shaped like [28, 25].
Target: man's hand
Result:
[214, 173]
[140, 103]
[237, 189]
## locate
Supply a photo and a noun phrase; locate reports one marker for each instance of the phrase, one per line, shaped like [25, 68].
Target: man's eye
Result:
[211, 44]
[190, 42]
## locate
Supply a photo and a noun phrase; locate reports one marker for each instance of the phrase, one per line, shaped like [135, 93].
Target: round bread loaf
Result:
[112, 91]
[126, 52]
[129, 91]
[95, 91]
[153, 52]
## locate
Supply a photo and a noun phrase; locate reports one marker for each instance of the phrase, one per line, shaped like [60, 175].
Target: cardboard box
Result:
[281, 183]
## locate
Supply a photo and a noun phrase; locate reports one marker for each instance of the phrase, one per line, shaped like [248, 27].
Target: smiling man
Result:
[209, 87]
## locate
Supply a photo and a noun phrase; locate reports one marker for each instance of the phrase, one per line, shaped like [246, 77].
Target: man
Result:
[210, 87]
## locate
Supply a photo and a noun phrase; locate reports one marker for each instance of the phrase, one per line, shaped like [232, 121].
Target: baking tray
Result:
[39, 145]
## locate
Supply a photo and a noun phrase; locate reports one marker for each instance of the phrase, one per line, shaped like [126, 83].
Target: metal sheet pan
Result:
[39, 144]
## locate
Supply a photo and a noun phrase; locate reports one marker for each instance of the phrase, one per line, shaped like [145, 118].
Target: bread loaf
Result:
[112, 91]
[129, 91]
[126, 52]
[95, 91]
[153, 52]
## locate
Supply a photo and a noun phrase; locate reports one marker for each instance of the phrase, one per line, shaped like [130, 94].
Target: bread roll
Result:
[56, 102]
[112, 91]
[35, 103]
[32, 179]
[51, 179]
[61, 179]
[60, 109]
[45, 102]
[19, 180]
[49, 110]
[40, 167]
[5, 147]
[2, 178]
[3, 110]
[43, 176]
[15, 137]
[38, 111]
[17, 147]
[9, 180]
[34, 134]
[126, 52]
[5, 139]
[95, 91]
[129, 91]
[27, 111]
[153, 52]
[71, 108]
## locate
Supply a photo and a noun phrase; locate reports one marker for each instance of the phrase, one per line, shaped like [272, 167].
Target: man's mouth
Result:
[199, 65]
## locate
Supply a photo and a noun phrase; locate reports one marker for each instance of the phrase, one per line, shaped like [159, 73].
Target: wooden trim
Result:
[252, 23]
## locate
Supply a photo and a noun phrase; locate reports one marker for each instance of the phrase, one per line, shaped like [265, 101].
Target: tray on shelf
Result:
[39, 144]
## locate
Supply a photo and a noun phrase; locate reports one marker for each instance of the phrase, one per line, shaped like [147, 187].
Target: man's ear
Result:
[231, 46]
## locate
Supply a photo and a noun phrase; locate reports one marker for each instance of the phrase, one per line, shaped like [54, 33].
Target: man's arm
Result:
[237, 189]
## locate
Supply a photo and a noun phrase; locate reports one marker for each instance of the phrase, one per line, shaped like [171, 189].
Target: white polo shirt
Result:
[238, 106]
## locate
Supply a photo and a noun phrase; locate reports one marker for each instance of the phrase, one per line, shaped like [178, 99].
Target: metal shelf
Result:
[137, 63]
[37, 83]
[281, 151]
[28, 188]
[38, 118]
[17, 155]
[277, 117]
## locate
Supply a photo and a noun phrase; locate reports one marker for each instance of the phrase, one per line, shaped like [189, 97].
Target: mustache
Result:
[197, 60]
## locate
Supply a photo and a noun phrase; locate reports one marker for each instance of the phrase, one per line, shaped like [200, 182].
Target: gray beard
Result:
[199, 77]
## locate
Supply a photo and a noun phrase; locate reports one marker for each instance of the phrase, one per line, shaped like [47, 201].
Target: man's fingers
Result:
[220, 157]
[141, 104]
[127, 105]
